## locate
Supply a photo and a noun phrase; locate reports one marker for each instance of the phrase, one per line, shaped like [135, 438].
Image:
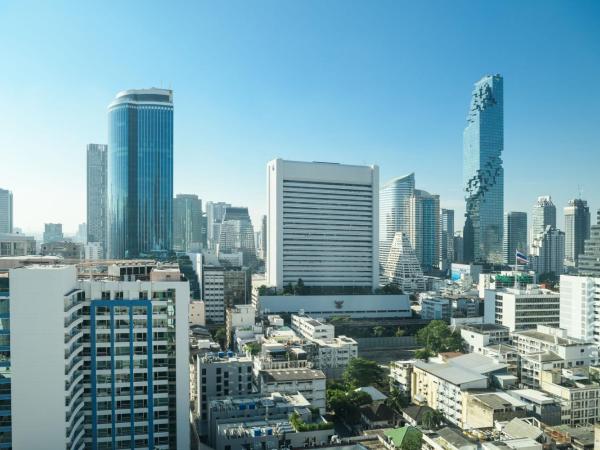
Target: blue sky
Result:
[373, 82]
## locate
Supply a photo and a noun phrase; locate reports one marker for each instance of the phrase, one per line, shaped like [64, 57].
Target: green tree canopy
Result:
[346, 404]
[438, 337]
[363, 372]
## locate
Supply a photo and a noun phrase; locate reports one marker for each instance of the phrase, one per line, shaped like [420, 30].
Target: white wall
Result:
[37, 355]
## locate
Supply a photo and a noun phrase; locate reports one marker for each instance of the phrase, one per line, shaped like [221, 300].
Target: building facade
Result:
[589, 262]
[424, 228]
[115, 365]
[96, 193]
[187, 223]
[214, 216]
[515, 235]
[17, 245]
[548, 252]
[543, 215]
[483, 172]
[579, 306]
[236, 235]
[446, 239]
[6, 211]
[393, 211]
[402, 268]
[322, 225]
[140, 173]
[53, 232]
[577, 230]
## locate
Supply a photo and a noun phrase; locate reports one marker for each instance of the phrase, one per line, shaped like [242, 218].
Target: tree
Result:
[220, 336]
[400, 332]
[253, 348]
[346, 404]
[300, 289]
[432, 420]
[288, 289]
[438, 337]
[412, 440]
[397, 400]
[378, 331]
[389, 289]
[362, 372]
[424, 354]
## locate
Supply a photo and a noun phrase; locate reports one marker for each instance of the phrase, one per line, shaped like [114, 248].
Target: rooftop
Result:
[276, 375]
[499, 400]
[453, 437]
[518, 429]
[533, 395]
[462, 369]
[483, 327]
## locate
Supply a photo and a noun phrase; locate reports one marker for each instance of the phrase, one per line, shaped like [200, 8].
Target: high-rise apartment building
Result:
[394, 198]
[424, 227]
[515, 235]
[6, 211]
[577, 229]
[53, 232]
[446, 238]
[544, 214]
[187, 223]
[214, 216]
[483, 172]
[548, 252]
[589, 262]
[97, 364]
[579, 303]
[322, 225]
[140, 173]
[236, 235]
[96, 193]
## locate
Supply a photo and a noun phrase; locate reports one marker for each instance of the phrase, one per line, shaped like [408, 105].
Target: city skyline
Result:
[371, 97]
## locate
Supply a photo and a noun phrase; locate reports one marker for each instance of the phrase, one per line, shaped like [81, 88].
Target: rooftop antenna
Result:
[580, 189]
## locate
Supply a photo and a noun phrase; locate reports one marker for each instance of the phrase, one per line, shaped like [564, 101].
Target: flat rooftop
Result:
[277, 375]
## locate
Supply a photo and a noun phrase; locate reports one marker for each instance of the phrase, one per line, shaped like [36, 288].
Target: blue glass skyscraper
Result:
[140, 173]
[483, 143]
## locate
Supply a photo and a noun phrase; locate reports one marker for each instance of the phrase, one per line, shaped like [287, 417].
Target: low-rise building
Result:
[447, 439]
[540, 405]
[435, 308]
[309, 382]
[483, 410]
[579, 396]
[478, 336]
[400, 376]
[197, 313]
[311, 328]
[442, 385]
[15, 244]
[238, 316]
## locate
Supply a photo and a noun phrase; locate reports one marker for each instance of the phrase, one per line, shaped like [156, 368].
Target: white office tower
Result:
[394, 199]
[322, 225]
[402, 267]
[579, 305]
[544, 214]
[548, 252]
[98, 364]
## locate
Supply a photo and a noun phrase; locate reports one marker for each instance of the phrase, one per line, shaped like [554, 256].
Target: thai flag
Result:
[522, 258]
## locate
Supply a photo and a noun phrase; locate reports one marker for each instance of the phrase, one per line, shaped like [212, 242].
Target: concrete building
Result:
[187, 223]
[424, 228]
[577, 230]
[435, 308]
[221, 288]
[515, 235]
[308, 382]
[17, 245]
[548, 252]
[238, 316]
[394, 198]
[442, 386]
[323, 226]
[197, 313]
[53, 232]
[214, 216]
[402, 268]
[220, 375]
[6, 212]
[578, 394]
[543, 215]
[547, 348]
[589, 262]
[355, 306]
[236, 235]
[311, 328]
[479, 336]
[65, 249]
[93, 251]
[400, 376]
[521, 309]
[115, 366]
[539, 405]
[483, 410]
[446, 239]
[96, 195]
[579, 299]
